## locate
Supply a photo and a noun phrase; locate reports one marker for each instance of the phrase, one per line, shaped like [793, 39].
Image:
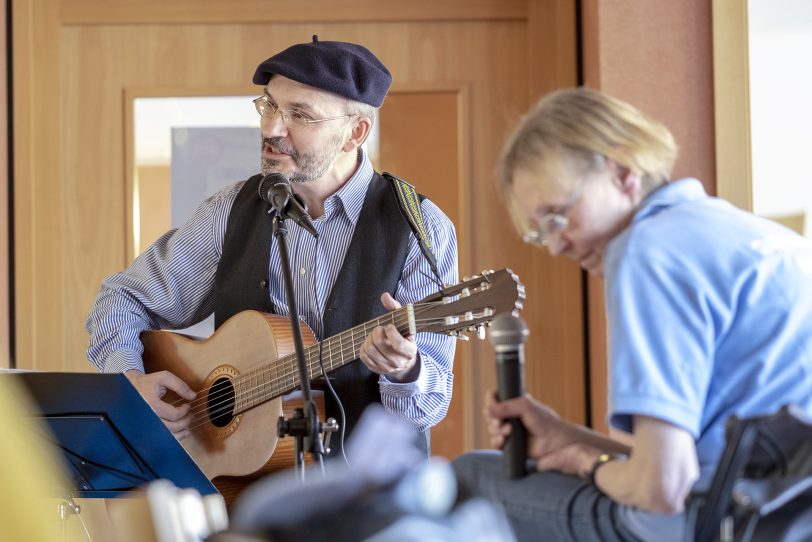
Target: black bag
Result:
[762, 489]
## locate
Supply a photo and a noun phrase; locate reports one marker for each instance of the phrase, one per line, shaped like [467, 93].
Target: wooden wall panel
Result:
[77, 64]
[731, 52]
[425, 158]
[40, 286]
[658, 56]
[253, 11]
[5, 306]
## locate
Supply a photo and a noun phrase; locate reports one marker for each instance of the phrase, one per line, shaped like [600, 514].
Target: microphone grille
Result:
[267, 182]
[507, 330]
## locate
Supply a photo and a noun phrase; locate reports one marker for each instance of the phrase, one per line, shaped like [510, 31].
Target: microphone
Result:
[275, 189]
[508, 334]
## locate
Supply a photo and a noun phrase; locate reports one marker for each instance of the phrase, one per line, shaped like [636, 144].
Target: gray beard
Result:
[310, 167]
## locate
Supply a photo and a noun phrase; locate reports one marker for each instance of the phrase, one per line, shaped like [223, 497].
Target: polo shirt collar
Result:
[669, 195]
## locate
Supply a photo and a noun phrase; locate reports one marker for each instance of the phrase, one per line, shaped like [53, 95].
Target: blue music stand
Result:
[110, 438]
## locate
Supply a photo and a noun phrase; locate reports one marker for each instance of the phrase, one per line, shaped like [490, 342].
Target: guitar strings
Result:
[282, 362]
[350, 333]
[288, 368]
[287, 371]
[286, 365]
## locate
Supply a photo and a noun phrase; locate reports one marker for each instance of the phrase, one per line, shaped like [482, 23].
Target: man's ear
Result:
[360, 131]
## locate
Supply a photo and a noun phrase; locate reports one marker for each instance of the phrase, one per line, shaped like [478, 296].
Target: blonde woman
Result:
[709, 315]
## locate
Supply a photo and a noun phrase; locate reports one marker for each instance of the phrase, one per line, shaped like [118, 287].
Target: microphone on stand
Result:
[508, 334]
[275, 189]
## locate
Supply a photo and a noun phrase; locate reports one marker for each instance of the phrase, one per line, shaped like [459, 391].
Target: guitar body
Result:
[243, 444]
[245, 372]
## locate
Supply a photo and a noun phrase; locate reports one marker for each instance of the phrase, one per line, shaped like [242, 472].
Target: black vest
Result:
[373, 264]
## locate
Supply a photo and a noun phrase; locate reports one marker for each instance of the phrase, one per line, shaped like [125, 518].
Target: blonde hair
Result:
[583, 124]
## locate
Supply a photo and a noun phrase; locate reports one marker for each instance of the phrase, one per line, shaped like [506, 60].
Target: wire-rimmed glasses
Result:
[292, 118]
[552, 222]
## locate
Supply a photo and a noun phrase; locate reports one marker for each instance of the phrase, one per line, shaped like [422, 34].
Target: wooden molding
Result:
[130, 94]
[89, 12]
[731, 82]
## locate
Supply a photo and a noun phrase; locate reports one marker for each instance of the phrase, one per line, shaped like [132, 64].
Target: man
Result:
[709, 315]
[318, 105]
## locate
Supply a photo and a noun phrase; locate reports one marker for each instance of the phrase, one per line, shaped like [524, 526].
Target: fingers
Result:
[172, 382]
[153, 388]
[389, 302]
[172, 413]
[180, 428]
[510, 408]
[498, 431]
[386, 351]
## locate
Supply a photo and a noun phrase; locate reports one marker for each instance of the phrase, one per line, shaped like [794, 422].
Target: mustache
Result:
[280, 144]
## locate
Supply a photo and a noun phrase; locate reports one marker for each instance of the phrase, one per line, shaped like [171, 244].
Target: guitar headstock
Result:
[470, 305]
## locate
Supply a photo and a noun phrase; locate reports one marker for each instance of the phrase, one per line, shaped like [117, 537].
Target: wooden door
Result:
[76, 61]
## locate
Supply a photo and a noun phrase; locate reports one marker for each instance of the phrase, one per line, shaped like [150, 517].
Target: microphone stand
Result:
[304, 425]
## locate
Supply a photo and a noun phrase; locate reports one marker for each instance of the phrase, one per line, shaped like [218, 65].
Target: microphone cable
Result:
[342, 415]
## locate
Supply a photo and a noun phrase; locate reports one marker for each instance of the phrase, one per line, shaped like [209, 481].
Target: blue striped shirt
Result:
[171, 286]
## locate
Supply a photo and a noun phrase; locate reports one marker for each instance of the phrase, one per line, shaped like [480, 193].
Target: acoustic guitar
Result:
[244, 370]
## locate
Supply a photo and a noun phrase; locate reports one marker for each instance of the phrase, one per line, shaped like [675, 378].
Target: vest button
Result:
[263, 283]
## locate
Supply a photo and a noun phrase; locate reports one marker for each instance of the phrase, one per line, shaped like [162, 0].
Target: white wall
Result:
[780, 54]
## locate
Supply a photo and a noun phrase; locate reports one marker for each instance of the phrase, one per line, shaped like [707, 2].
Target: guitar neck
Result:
[280, 376]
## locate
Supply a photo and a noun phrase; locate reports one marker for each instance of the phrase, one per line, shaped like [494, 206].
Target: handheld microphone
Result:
[275, 189]
[508, 334]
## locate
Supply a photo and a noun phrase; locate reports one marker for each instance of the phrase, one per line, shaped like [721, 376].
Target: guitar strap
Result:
[409, 204]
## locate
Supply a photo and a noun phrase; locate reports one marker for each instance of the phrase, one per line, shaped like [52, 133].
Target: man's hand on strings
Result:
[385, 351]
[154, 386]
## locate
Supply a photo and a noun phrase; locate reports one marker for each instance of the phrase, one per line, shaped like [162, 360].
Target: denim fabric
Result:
[544, 506]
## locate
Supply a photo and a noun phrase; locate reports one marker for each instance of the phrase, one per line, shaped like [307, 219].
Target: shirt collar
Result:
[351, 196]
[670, 194]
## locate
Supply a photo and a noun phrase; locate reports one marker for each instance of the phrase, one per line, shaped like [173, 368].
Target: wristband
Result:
[603, 459]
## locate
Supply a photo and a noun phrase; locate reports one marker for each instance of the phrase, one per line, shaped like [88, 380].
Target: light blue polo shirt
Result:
[710, 315]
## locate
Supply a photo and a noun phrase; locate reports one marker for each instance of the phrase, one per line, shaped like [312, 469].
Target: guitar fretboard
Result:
[280, 376]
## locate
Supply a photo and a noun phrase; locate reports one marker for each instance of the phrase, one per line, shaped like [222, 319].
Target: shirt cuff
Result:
[405, 389]
[122, 361]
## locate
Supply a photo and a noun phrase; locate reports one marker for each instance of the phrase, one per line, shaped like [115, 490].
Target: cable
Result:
[342, 415]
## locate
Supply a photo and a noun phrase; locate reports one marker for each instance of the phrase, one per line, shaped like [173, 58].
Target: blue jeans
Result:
[544, 505]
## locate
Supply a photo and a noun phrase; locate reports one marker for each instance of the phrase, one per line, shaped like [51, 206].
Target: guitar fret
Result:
[239, 396]
[268, 381]
[292, 371]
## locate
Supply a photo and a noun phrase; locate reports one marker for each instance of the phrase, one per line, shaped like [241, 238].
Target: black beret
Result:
[342, 68]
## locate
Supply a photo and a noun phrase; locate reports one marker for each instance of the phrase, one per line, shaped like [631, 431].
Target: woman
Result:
[709, 315]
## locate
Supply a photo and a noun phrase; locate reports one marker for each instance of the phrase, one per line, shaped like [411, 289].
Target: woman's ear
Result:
[628, 181]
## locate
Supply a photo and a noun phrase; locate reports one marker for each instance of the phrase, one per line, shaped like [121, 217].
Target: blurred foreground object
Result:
[389, 491]
[30, 474]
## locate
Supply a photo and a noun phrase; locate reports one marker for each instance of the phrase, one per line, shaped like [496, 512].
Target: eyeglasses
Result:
[291, 118]
[552, 222]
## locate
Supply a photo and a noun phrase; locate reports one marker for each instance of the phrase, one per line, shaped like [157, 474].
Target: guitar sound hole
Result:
[221, 402]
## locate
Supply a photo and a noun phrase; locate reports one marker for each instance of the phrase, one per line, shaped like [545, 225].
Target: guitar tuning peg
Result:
[480, 332]
[466, 278]
[462, 337]
[465, 292]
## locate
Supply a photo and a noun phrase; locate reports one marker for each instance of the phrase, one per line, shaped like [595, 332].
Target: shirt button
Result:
[302, 271]
[263, 284]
